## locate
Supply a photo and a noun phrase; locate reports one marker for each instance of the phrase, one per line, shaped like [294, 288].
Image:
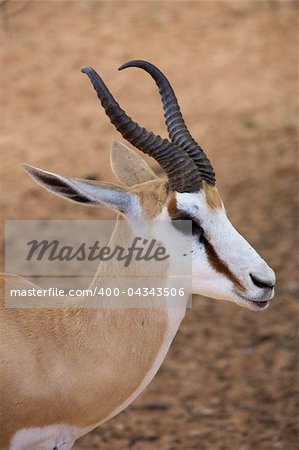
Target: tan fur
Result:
[74, 369]
[212, 196]
[152, 196]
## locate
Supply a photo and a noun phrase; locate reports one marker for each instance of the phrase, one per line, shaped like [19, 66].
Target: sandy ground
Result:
[230, 381]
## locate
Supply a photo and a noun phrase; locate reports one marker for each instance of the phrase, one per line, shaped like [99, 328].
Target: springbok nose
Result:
[263, 284]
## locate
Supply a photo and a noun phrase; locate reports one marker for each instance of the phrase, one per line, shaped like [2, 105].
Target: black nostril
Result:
[261, 284]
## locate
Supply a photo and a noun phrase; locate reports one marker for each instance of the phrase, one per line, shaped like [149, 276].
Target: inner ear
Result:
[86, 191]
[53, 183]
[128, 167]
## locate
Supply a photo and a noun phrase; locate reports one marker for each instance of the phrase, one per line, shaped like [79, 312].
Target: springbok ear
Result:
[129, 167]
[89, 192]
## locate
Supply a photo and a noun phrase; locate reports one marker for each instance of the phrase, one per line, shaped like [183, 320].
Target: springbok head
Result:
[224, 265]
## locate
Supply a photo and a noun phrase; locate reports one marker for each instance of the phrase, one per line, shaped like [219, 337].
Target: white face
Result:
[224, 265]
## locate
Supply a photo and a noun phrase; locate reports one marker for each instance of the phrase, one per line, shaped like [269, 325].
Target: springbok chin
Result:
[59, 383]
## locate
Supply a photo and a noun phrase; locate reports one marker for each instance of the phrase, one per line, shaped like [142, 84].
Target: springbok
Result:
[66, 371]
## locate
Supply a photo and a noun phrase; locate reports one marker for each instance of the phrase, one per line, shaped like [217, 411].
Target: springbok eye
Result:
[197, 230]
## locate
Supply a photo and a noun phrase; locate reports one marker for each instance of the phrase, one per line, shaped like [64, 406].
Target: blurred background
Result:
[230, 380]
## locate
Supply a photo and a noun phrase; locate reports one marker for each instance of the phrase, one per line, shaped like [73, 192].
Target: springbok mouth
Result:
[260, 304]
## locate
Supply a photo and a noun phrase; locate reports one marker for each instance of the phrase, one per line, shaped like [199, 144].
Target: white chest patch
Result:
[53, 437]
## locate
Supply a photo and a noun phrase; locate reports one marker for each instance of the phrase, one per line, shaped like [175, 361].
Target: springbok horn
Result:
[182, 173]
[175, 123]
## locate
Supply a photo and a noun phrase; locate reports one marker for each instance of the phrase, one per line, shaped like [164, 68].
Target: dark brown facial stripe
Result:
[220, 266]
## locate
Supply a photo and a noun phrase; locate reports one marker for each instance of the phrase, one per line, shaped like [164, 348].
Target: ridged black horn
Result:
[181, 171]
[177, 130]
